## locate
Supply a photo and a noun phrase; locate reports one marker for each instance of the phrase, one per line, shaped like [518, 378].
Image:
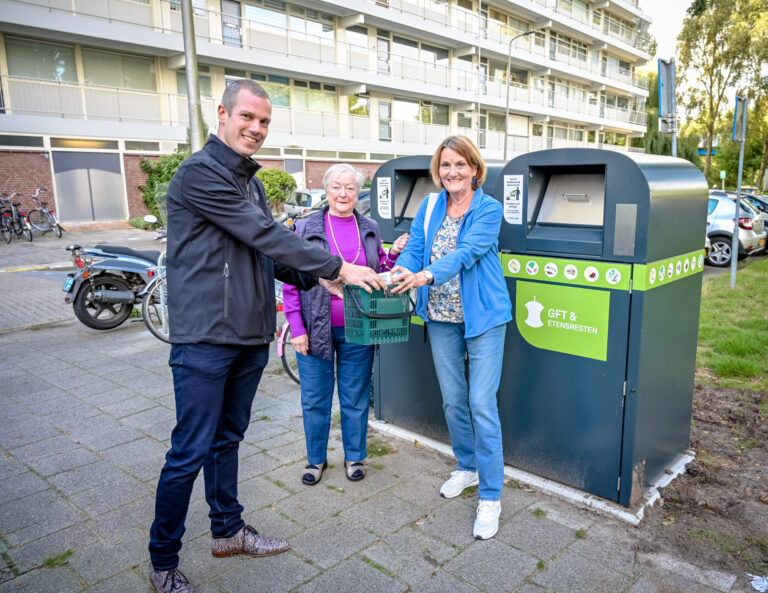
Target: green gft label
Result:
[564, 319]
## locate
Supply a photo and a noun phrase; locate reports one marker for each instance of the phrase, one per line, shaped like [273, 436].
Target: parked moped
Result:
[107, 282]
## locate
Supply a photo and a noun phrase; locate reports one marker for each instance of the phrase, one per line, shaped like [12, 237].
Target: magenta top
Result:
[350, 245]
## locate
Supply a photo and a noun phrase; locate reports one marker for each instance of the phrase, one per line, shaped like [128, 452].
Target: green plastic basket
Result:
[379, 317]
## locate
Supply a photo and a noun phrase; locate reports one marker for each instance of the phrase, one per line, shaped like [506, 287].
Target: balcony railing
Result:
[255, 35]
[453, 16]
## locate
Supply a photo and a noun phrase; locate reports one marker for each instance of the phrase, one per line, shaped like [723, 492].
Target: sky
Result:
[667, 18]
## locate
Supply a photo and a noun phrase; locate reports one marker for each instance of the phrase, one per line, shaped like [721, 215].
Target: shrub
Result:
[278, 185]
[159, 174]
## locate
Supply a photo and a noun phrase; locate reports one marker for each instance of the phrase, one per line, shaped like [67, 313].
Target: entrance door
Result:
[230, 23]
[89, 186]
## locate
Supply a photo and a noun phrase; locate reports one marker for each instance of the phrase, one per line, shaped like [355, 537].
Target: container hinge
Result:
[630, 285]
[624, 390]
[618, 484]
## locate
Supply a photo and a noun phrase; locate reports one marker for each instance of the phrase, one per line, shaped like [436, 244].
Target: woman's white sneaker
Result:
[459, 480]
[487, 520]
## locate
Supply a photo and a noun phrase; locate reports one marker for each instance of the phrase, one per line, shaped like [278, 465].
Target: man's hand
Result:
[406, 280]
[399, 244]
[301, 344]
[361, 276]
[332, 286]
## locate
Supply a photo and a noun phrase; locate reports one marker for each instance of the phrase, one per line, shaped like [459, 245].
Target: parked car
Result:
[301, 201]
[752, 233]
[363, 205]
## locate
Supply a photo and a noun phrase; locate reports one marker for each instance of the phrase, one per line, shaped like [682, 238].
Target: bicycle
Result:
[284, 347]
[41, 218]
[6, 226]
[154, 303]
[19, 222]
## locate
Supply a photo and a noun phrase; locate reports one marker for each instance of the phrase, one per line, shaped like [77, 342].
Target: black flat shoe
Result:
[355, 471]
[312, 474]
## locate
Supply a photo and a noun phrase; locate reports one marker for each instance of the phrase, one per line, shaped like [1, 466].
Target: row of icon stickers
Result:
[570, 271]
[671, 270]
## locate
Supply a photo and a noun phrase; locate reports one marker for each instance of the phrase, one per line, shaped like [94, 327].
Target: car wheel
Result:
[719, 252]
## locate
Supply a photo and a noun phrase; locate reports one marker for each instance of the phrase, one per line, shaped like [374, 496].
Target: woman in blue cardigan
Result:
[452, 258]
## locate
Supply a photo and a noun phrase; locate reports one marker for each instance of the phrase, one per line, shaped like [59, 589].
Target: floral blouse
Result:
[444, 302]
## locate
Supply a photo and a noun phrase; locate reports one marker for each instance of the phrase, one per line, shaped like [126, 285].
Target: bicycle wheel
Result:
[56, 228]
[154, 310]
[288, 358]
[5, 230]
[38, 220]
[26, 230]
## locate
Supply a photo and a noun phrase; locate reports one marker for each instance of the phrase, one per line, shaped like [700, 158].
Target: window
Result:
[118, 70]
[359, 106]
[434, 113]
[198, 7]
[537, 130]
[278, 88]
[38, 59]
[311, 22]
[262, 19]
[405, 110]
[562, 46]
[204, 82]
[496, 122]
[464, 119]
[314, 96]
[357, 36]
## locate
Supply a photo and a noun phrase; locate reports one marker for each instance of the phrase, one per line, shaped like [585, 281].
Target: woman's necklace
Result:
[338, 249]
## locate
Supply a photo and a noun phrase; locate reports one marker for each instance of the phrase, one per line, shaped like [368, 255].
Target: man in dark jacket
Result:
[224, 251]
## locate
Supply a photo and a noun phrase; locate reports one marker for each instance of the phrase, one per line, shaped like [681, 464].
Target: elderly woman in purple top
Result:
[317, 326]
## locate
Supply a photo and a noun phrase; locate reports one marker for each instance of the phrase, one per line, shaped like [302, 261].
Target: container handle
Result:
[359, 307]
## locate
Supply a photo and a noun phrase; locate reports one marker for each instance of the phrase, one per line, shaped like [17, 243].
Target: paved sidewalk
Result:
[85, 423]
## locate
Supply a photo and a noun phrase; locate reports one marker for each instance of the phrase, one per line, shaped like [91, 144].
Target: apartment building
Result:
[89, 87]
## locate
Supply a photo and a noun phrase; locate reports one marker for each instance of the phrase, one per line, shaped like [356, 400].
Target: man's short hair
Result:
[229, 99]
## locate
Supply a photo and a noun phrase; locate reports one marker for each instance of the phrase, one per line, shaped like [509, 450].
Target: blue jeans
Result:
[471, 411]
[214, 386]
[353, 375]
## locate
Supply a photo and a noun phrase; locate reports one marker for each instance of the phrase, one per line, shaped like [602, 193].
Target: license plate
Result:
[762, 241]
[68, 284]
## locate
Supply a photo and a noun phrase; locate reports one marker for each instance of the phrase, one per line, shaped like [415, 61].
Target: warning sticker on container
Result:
[513, 199]
[384, 197]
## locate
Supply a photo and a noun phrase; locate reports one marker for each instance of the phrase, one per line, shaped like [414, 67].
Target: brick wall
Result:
[24, 172]
[316, 169]
[134, 177]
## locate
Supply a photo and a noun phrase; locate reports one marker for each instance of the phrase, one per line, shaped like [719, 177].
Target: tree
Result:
[654, 141]
[758, 87]
[713, 48]
[278, 185]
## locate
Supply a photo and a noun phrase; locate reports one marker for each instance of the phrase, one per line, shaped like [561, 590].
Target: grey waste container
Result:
[405, 386]
[603, 257]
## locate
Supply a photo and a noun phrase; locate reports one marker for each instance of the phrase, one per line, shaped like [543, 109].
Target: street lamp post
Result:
[509, 66]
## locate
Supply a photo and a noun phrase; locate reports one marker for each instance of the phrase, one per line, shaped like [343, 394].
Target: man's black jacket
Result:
[225, 249]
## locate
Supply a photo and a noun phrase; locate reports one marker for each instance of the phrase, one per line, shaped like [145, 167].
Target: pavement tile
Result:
[106, 439]
[141, 448]
[256, 465]
[313, 506]
[259, 492]
[609, 543]
[61, 462]
[347, 539]
[96, 386]
[43, 580]
[451, 522]
[440, 582]
[422, 491]
[10, 467]
[104, 559]
[32, 554]
[497, 566]
[414, 461]
[274, 574]
[289, 453]
[198, 564]
[160, 431]
[537, 536]
[85, 477]
[113, 395]
[669, 565]
[352, 576]
[138, 513]
[125, 582]
[31, 509]
[150, 416]
[269, 521]
[571, 573]
[280, 438]
[375, 481]
[108, 497]
[129, 406]
[382, 514]
[666, 583]
[289, 477]
[44, 448]
[410, 554]
[20, 486]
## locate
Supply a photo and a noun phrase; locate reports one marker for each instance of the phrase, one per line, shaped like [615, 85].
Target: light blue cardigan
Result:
[484, 294]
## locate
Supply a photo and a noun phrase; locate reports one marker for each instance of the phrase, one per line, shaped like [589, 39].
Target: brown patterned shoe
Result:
[248, 541]
[169, 581]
